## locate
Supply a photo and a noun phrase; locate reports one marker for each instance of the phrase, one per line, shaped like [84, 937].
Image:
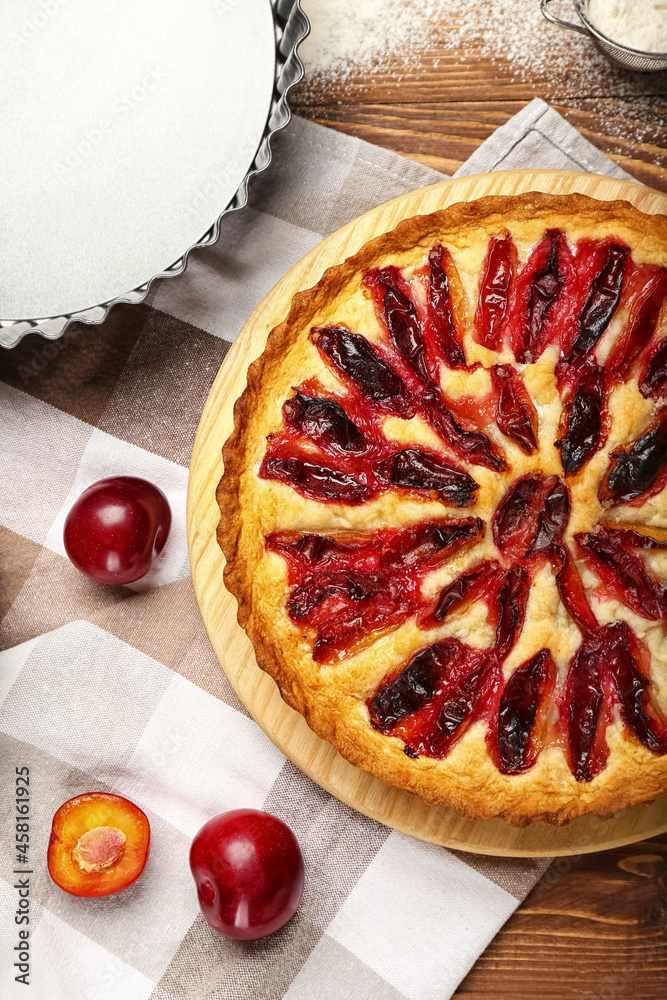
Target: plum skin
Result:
[249, 873]
[115, 529]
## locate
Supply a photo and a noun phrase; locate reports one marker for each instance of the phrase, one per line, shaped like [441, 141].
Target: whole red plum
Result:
[116, 528]
[248, 869]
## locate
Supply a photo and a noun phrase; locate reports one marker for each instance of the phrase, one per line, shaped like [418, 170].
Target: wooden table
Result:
[595, 926]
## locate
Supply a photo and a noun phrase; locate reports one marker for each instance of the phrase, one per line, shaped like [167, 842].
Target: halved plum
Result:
[99, 844]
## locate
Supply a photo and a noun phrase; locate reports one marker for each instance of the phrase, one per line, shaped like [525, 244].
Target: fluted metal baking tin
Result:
[292, 26]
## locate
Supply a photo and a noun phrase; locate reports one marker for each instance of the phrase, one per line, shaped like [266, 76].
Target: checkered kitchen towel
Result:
[117, 688]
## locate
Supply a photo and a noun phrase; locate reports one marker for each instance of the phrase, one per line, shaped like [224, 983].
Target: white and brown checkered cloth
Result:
[117, 688]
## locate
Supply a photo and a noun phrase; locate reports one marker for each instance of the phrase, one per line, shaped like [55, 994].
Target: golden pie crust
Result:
[333, 697]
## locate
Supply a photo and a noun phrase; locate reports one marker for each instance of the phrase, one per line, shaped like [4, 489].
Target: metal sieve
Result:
[622, 54]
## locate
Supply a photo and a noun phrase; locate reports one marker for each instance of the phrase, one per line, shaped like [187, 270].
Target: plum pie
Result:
[444, 507]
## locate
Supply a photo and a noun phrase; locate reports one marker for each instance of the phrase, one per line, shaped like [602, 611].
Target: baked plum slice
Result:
[623, 573]
[628, 662]
[583, 703]
[473, 446]
[315, 481]
[495, 287]
[511, 523]
[413, 686]
[430, 701]
[518, 743]
[441, 321]
[463, 700]
[544, 290]
[653, 382]
[511, 602]
[400, 316]
[479, 583]
[516, 415]
[362, 366]
[418, 469]
[630, 538]
[601, 303]
[571, 590]
[532, 516]
[584, 420]
[646, 299]
[325, 422]
[553, 517]
[351, 590]
[539, 291]
[426, 545]
[640, 471]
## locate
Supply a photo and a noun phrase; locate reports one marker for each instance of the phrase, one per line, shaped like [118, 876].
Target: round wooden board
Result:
[258, 692]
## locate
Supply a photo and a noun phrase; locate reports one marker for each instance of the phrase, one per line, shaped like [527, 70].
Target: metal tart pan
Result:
[291, 27]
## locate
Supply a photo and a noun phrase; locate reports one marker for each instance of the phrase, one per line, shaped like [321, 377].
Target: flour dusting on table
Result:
[352, 40]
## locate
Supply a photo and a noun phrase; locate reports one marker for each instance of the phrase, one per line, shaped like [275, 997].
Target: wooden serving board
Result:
[258, 692]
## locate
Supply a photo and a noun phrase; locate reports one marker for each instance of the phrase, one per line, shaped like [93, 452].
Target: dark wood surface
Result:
[595, 926]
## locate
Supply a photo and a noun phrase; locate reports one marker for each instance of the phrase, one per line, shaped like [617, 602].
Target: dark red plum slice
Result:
[415, 469]
[630, 538]
[317, 482]
[480, 582]
[553, 518]
[325, 422]
[310, 549]
[546, 281]
[584, 421]
[645, 310]
[428, 544]
[532, 516]
[653, 383]
[623, 573]
[511, 523]
[344, 627]
[415, 685]
[639, 471]
[473, 446]
[348, 583]
[519, 704]
[516, 415]
[355, 358]
[459, 707]
[512, 601]
[584, 695]
[602, 302]
[494, 291]
[440, 311]
[401, 319]
[571, 590]
[632, 687]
